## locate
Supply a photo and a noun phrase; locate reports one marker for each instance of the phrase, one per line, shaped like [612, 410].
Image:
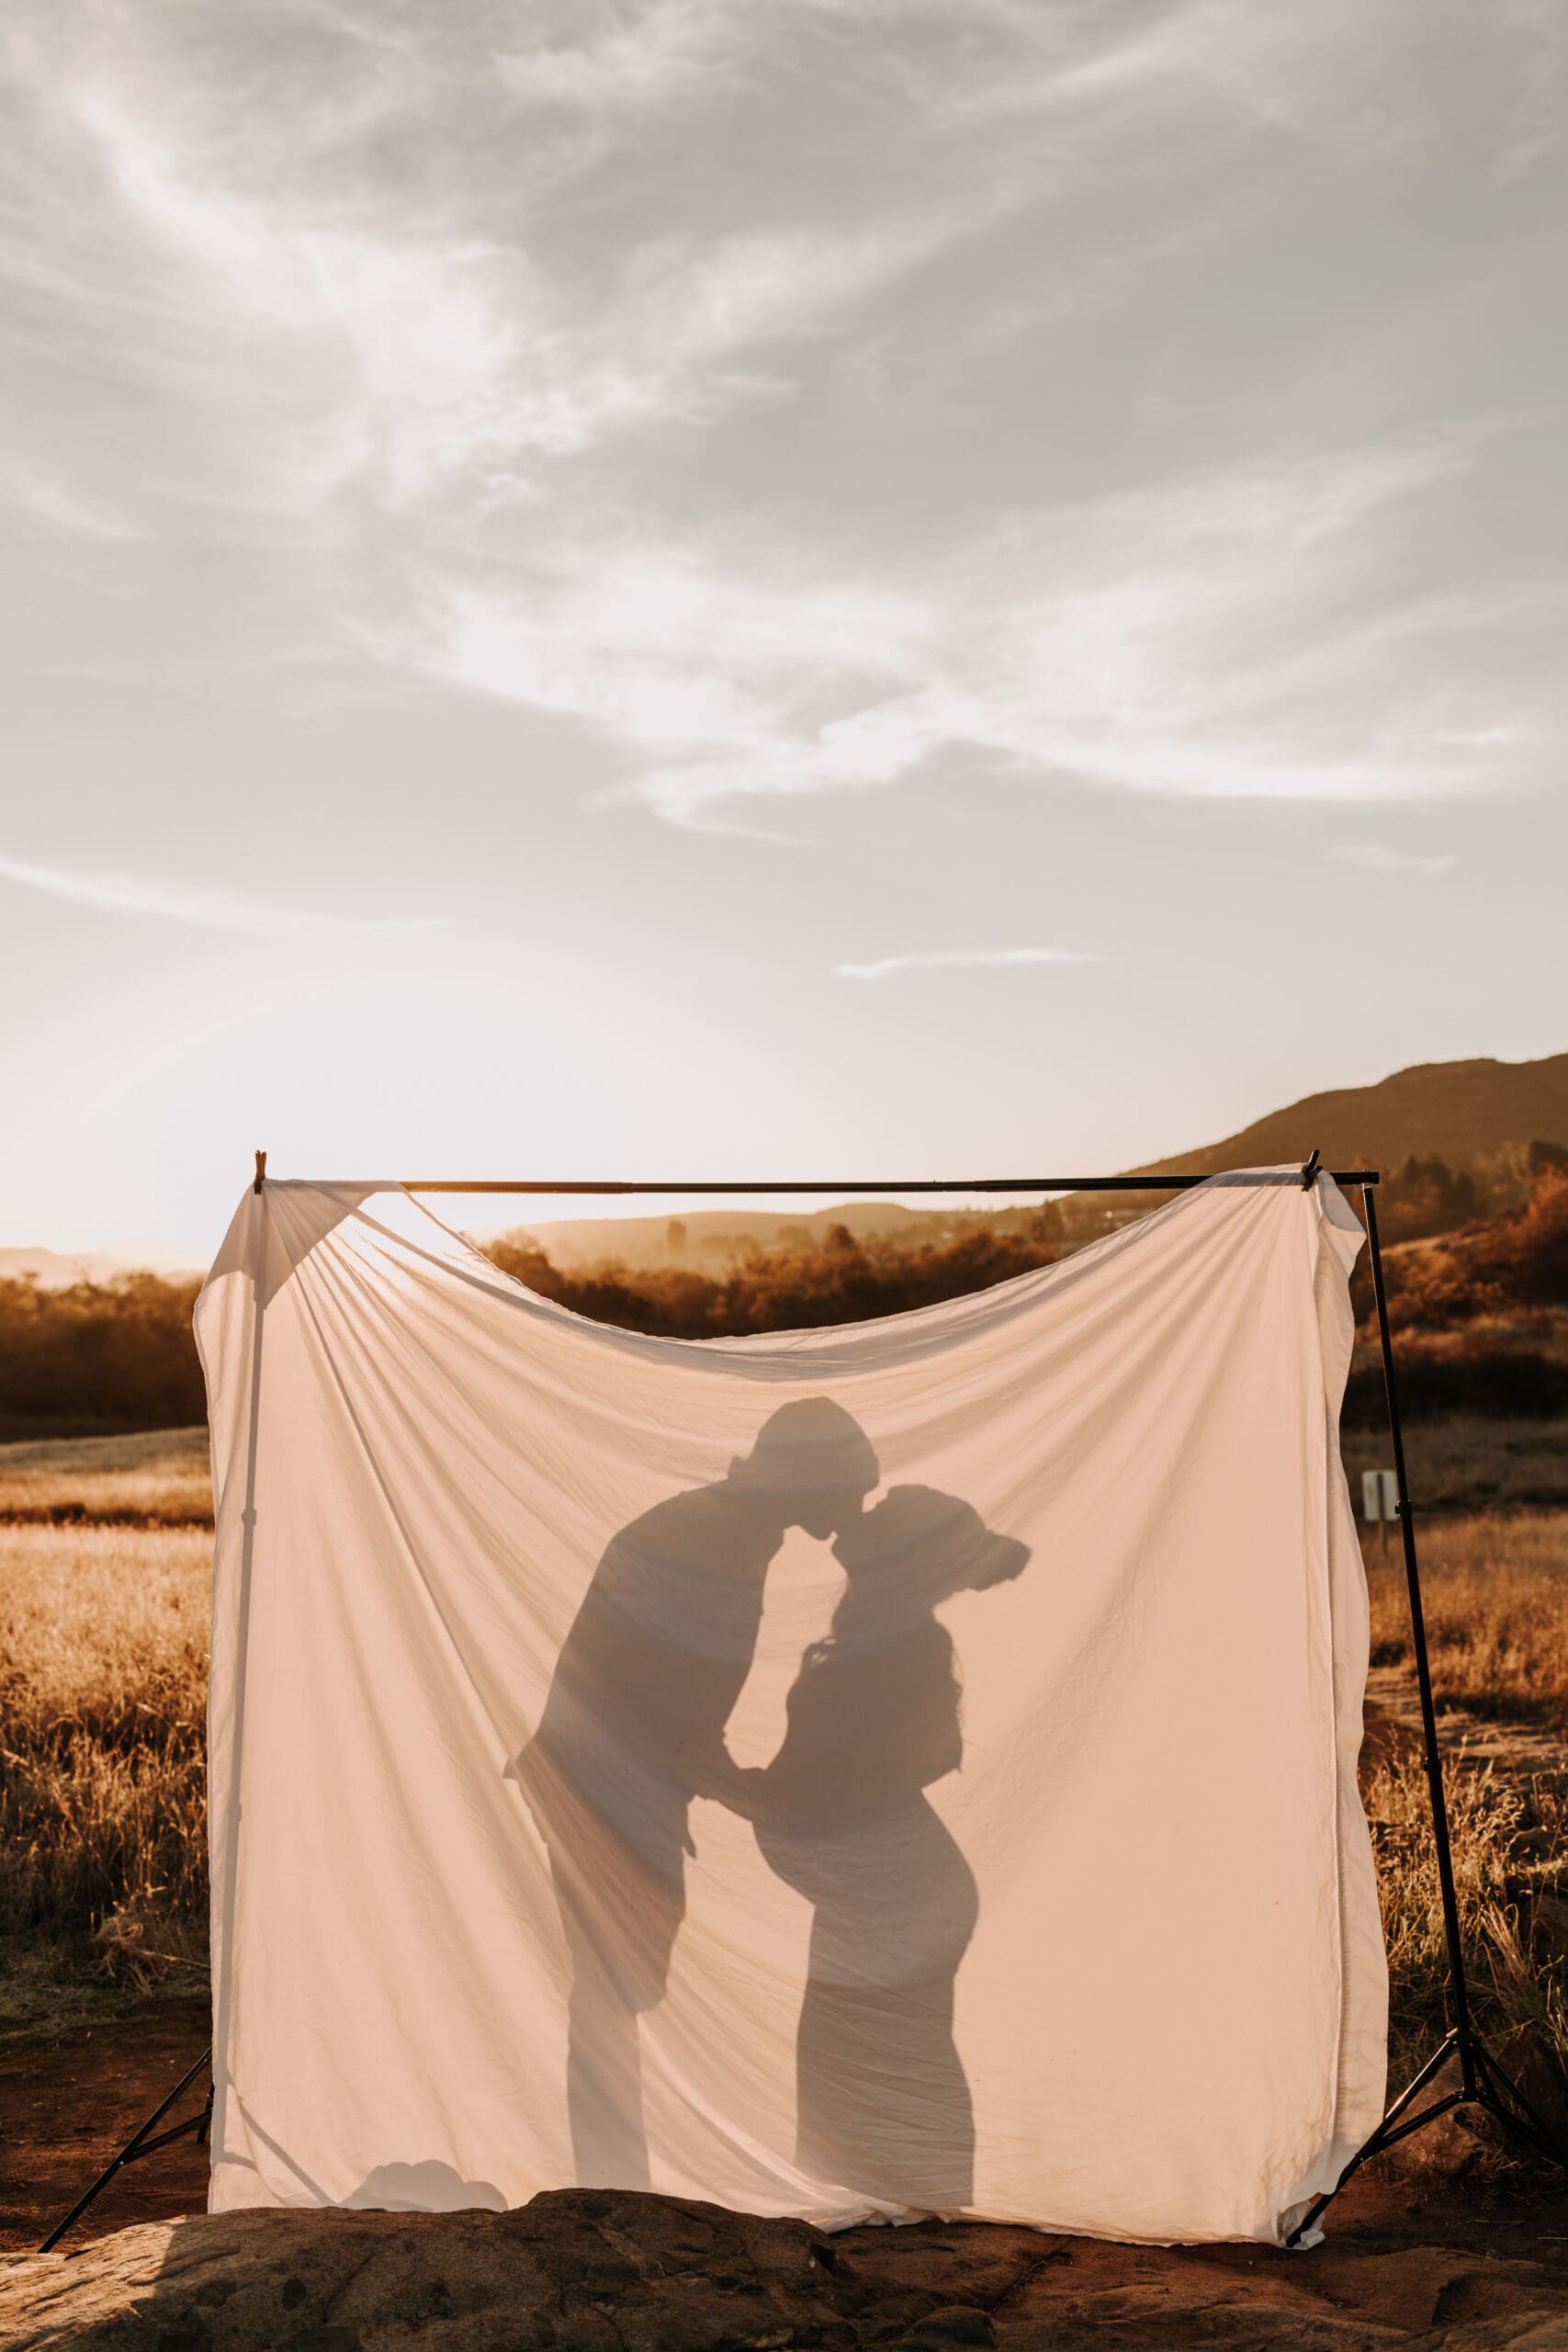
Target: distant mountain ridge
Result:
[1464, 1113]
[55, 1270]
[644, 1241]
[1459, 1112]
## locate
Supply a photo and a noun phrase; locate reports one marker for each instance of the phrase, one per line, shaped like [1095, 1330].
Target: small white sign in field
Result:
[1380, 1495]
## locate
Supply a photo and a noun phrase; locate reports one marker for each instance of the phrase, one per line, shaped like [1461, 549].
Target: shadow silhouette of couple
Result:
[633, 1731]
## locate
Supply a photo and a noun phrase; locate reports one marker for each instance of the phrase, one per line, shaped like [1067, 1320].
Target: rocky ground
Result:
[590, 2270]
[1455, 2248]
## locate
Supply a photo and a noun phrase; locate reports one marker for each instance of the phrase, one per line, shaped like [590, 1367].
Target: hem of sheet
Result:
[1344, 1237]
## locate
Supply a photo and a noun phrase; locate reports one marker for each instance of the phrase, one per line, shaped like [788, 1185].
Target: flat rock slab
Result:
[592, 2271]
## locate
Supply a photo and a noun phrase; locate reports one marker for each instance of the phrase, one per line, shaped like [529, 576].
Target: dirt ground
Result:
[71, 2097]
[1406, 2250]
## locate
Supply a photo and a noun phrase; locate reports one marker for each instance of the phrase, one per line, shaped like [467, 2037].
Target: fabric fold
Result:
[903, 1768]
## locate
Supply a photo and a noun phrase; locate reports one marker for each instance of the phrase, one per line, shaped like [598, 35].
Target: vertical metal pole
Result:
[224, 1858]
[1423, 1674]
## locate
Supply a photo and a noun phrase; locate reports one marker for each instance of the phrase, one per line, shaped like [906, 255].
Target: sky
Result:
[764, 588]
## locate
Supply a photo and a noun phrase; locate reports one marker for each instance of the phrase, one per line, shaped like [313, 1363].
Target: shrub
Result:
[1520, 1260]
[115, 1356]
[841, 1281]
[1492, 1384]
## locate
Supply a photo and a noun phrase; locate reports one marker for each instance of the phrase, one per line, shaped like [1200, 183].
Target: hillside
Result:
[1462, 1112]
[1481, 1316]
[1499, 1269]
[699, 1235]
[51, 1270]
[1477, 1118]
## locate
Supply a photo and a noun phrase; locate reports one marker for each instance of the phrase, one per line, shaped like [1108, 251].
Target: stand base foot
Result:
[1483, 2083]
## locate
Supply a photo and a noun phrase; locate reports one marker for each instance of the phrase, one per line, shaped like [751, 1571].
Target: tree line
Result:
[120, 1355]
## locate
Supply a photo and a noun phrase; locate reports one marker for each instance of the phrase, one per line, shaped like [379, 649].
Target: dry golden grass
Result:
[183, 1449]
[1495, 1595]
[1495, 1590]
[1510, 1840]
[103, 1692]
[160, 1478]
[1467, 1464]
[105, 1498]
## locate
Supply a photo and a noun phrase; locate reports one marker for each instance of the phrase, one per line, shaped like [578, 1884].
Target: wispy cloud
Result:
[255, 226]
[1381, 857]
[435, 352]
[1231, 635]
[211, 910]
[963, 959]
[609, 64]
[364, 292]
[58, 507]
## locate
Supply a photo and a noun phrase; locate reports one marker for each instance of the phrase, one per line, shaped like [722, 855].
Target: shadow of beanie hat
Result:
[811, 1446]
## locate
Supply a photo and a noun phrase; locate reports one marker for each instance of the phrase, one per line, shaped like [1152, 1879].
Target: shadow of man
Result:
[632, 1730]
[882, 2104]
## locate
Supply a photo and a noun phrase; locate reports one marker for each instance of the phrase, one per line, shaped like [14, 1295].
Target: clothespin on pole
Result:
[261, 1169]
[1309, 1173]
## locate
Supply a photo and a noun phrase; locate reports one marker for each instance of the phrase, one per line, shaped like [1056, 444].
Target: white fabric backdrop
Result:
[893, 1768]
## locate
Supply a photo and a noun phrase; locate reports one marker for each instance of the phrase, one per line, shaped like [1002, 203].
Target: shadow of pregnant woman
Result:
[632, 1733]
[841, 1816]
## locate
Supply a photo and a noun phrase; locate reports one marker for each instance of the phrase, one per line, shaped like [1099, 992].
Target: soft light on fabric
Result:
[900, 1769]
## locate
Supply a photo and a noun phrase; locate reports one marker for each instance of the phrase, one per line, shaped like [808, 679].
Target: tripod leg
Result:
[136, 2145]
[1384, 2133]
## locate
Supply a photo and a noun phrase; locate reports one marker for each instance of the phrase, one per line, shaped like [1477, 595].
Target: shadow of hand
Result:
[741, 1789]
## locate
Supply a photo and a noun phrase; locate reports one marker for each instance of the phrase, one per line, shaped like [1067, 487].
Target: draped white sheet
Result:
[896, 1769]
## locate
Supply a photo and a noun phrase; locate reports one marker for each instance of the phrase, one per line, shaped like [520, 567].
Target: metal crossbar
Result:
[617, 1189]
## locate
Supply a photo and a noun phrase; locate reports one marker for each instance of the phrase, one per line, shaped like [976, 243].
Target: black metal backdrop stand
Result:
[1482, 2082]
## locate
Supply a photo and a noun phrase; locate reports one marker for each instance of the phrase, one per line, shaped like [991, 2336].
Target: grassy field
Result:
[102, 1668]
[1510, 1839]
[157, 1478]
[103, 1692]
[1466, 1463]
[1495, 1590]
